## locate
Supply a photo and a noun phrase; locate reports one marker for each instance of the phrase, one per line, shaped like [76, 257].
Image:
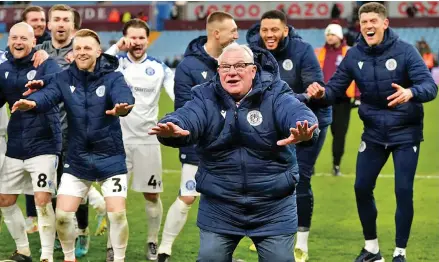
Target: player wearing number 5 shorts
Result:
[34, 143]
[146, 76]
[94, 96]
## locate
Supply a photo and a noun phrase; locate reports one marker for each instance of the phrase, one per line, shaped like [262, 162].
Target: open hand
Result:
[402, 95]
[299, 134]
[33, 86]
[119, 109]
[23, 105]
[39, 57]
[168, 130]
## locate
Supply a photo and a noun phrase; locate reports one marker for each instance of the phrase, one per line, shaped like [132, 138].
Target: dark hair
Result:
[218, 16]
[136, 23]
[275, 14]
[87, 33]
[31, 8]
[77, 19]
[373, 7]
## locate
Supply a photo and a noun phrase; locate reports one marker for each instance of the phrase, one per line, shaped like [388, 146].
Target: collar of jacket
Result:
[390, 38]
[105, 64]
[25, 61]
[196, 48]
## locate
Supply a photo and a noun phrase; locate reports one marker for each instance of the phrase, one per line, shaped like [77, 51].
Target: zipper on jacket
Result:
[90, 156]
[241, 156]
[383, 119]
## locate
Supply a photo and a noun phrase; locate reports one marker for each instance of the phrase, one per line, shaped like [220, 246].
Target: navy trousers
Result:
[306, 158]
[370, 160]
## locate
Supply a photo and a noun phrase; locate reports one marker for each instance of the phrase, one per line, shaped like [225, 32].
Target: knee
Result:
[152, 197]
[212, 253]
[7, 200]
[403, 193]
[63, 220]
[188, 200]
[42, 198]
[282, 256]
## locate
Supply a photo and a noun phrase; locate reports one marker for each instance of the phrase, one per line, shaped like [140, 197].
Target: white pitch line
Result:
[173, 171]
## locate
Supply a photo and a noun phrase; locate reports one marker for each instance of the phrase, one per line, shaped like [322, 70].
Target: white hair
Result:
[248, 53]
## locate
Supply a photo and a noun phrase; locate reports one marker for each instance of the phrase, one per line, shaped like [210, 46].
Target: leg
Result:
[306, 157]
[97, 201]
[83, 240]
[179, 210]
[114, 190]
[147, 179]
[216, 247]
[275, 248]
[405, 159]
[341, 113]
[370, 160]
[70, 194]
[43, 172]
[31, 213]
[13, 182]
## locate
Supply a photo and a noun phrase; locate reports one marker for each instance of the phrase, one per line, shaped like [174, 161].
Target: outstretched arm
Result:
[121, 96]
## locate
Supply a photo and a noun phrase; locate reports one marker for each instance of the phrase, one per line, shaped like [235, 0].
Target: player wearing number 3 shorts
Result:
[146, 76]
[94, 96]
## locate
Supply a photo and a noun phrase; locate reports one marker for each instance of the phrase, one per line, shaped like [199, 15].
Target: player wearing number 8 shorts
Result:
[34, 143]
[94, 95]
[146, 76]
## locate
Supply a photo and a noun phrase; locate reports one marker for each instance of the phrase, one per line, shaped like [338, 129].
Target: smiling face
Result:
[236, 73]
[21, 40]
[372, 27]
[272, 31]
[86, 51]
[140, 40]
[227, 32]
[37, 19]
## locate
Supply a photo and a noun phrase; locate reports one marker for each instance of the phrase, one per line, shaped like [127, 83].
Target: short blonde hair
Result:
[88, 33]
[248, 53]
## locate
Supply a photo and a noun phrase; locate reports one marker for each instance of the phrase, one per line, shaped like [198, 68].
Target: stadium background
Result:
[336, 232]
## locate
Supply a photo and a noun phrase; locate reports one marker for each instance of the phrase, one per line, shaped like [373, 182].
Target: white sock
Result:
[46, 228]
[372, 246]
[109, 236]
[175, 220]
[65, 227]
[302, 241]
[399, 251]
[96, 200]
[119, 234]
[16, 225]
[154, 213]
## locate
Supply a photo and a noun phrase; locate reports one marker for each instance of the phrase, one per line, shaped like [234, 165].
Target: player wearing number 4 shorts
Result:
[34, 143]
[146, 76]
[94, 95]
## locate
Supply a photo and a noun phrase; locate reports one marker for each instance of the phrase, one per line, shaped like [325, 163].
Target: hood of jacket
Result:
[196, 49]
[390, 37]
[105, 64]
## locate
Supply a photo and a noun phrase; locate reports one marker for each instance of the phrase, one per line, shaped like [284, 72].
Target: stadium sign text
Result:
[254, 10]
[425, 8]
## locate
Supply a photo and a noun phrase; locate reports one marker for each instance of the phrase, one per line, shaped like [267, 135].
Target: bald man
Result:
[33, 147]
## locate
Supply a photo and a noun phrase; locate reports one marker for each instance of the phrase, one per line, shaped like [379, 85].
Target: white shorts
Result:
[36, 174]
[115, 186]
[188, 184]
[2, 150]
[145, 163]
